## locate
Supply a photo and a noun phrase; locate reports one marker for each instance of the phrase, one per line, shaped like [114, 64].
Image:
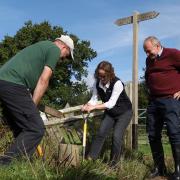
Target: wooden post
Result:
[128, 140]
[135, 19]
[135, 82]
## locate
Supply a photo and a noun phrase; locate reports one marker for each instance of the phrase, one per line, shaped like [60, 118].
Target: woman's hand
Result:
[88, 108]
[84, 107]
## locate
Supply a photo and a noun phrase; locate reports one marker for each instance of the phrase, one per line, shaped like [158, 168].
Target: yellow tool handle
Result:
[84, 134]
[39, 150]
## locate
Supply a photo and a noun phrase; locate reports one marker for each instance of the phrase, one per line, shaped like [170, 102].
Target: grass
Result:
[87, 170]
[145, 149]
[134, 165]
[23, 170]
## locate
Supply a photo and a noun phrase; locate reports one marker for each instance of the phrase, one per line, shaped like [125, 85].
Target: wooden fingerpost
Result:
[135, 19]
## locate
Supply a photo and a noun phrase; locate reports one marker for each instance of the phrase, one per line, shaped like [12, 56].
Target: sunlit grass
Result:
[133, 165]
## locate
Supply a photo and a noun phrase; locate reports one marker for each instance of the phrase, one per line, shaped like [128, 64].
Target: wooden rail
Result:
[56, 121]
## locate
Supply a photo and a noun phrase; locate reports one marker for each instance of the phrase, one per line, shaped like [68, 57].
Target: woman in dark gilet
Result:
[117, 106]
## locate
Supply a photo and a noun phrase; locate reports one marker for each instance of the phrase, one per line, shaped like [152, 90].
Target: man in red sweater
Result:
[162, 77]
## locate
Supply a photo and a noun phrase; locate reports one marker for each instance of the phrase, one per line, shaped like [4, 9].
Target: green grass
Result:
[134, 165]
[145, 149]
[23, 170]
[88, 170]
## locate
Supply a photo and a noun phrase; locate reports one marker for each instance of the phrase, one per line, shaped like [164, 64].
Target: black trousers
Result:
[164, 110]
[23, 118]
[119, 125]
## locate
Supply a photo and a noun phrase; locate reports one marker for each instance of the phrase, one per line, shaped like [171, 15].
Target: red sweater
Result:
[163, 74]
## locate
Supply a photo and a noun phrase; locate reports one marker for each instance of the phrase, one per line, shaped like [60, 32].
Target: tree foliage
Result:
[142, 94]
[66, 84]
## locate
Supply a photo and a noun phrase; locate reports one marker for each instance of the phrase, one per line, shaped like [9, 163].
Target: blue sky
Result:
[93, 20]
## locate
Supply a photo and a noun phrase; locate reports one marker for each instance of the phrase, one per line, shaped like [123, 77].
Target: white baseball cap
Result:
[68, 41]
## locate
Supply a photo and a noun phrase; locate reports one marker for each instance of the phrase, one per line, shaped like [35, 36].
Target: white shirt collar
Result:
[104, 87]
[160, 52]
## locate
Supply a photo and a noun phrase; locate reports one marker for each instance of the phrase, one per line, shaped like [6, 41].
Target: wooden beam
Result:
[50, 111]
[56, 121]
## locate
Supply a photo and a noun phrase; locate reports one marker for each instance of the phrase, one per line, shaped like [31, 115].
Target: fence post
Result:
[128, 138]
[69, 114]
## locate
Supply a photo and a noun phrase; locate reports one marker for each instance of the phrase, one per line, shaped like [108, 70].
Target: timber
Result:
[50, 111]
[56, 121]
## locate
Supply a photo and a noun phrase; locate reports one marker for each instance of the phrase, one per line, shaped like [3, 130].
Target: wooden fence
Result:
[64, 131]
[65, 128]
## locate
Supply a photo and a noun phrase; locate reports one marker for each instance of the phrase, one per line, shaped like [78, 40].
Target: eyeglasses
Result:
[101, 76]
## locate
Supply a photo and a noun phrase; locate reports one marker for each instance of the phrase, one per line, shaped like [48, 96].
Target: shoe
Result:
[175, 176]
[176, 156]
[158, 158]
[157, 172]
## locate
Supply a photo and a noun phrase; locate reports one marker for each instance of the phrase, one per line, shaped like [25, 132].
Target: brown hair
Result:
[108, 68]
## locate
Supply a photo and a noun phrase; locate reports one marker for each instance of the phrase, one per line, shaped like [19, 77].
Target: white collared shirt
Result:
[117, 89]
[160, 52]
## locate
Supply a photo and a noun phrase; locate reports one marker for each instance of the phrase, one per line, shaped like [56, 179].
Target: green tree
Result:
[66, 84]
[142, 95]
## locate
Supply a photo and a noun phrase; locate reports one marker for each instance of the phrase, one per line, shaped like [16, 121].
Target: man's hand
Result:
[176, 95]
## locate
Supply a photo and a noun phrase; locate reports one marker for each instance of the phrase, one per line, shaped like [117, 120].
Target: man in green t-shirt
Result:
[29, 71]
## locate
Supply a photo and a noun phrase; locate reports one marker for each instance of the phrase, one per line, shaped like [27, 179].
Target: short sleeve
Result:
[52, 57]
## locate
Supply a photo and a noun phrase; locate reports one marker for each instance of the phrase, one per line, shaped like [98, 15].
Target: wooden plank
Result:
[71, 153]
[71, 109]
[56, 121]
[76, 139]
[70, 136]
[65, 135]
[74, 109]
[51, 111]
[124, 21]
[147, 16]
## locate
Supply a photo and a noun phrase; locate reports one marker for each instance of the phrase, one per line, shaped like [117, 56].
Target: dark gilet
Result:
[123, 103]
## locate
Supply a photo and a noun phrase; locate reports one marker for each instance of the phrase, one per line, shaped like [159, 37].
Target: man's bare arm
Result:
[42, 84]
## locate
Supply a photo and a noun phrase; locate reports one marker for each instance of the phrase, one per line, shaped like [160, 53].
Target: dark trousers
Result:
[23, 118]
[119, 125]
[164, 110]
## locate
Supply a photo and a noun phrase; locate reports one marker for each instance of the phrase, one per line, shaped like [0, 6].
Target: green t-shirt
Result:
[26, 66]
